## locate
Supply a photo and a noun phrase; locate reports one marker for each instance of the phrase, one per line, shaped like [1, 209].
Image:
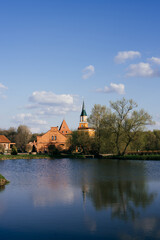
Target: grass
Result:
[3, 181]
[80, 156]
[1, 177]
[39, 156]
[134, 157]
[24, 156]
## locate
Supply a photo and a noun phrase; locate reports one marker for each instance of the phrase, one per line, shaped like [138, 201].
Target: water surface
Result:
[80, 199]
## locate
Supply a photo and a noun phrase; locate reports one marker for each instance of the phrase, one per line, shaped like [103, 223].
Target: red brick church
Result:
[55, 136]
[59, 136]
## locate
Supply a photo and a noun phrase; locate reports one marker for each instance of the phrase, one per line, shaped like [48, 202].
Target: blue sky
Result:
[54, 53]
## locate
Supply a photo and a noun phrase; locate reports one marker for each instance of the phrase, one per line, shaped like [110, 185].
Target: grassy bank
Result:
[39, 156]
[24, 156]
[134, 157]
[3, 181]
[80, 156]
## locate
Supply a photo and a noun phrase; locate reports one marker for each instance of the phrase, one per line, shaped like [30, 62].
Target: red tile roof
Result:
[4, 139]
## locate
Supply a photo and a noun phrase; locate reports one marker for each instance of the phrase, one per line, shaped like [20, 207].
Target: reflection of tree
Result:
[119, 185]
[2, 188]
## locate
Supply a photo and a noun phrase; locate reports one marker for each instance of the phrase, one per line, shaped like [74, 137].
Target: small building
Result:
[83, 124]
[54, 136]
[6, 143]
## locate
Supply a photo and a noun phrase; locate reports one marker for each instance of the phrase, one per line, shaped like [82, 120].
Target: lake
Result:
[80, 199]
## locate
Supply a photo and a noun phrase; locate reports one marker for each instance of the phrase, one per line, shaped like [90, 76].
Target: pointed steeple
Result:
[83, 116]
[83, 113]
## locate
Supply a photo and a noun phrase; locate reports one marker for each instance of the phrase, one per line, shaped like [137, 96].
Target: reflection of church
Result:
[59, 136]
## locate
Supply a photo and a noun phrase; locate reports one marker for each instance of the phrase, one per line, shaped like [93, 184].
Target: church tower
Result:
[83, 124]
[83, 118]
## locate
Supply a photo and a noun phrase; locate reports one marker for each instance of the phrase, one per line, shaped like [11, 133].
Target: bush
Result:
[52, 150]
[14, 150]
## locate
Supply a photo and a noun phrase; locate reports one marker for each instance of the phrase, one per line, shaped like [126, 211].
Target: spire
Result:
[83, 113]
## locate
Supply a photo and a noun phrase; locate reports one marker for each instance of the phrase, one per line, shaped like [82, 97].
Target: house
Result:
[6, 143]
[55, 136]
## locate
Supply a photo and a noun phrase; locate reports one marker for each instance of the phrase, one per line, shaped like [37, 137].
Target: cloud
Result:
[49, 103]
[113, 88]
[123, 56]
[88, 71]
[142, 70]
[52, 104]
[28, 119]
[49, 98]
[2, 86]
[154, 60]
[42, 106]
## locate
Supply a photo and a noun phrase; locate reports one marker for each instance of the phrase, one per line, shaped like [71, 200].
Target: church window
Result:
[55, 138]
[52, 138]
[82, 125]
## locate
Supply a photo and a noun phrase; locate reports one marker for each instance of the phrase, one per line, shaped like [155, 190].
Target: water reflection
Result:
[120, 186]
[2, 188]
[79, 199]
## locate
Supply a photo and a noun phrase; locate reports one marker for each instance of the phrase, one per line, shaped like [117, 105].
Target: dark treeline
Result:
[144, 141]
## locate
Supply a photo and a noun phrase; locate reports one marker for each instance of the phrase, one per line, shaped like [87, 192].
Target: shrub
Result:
[52, 150]
[14, 150]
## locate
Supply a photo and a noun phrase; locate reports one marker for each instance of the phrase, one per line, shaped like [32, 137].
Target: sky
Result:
[55, 53]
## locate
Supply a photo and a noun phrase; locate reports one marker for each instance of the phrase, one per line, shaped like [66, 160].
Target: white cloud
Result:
[28, 119]
[50, 98]
[2, 86]
[49, 103]
[154, 60]
[42, 106]
[142, 70]
[88, 71]
[123, 56]
[113, 88]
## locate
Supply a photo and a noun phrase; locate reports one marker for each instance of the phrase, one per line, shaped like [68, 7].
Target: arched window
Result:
[55, 138]
[52, 138]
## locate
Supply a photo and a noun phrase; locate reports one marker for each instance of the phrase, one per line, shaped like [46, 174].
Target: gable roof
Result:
[64, 127]
[4, 139]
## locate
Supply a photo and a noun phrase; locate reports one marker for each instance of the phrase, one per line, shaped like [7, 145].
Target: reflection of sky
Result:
[58, 197]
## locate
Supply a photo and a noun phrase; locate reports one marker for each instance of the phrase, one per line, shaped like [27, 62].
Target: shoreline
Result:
[3, 181]
[78, 156]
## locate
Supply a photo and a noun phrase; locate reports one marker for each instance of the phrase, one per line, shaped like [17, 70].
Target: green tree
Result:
[127, 123]
[99, 119]
[82, 141]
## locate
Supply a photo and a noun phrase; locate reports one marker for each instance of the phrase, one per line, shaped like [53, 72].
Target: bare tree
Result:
[127, 123]
[23, 137]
